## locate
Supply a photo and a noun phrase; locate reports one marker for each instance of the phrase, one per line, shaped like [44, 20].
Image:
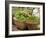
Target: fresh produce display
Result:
[24, 16]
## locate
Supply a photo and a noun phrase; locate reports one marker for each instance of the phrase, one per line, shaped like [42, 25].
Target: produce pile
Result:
[24, 14]
[23, 18]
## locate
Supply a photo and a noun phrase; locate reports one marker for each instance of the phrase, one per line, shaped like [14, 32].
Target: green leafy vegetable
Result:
[24, 13]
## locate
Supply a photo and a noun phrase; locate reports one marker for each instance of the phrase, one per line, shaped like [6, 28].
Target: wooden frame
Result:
[7, 18]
